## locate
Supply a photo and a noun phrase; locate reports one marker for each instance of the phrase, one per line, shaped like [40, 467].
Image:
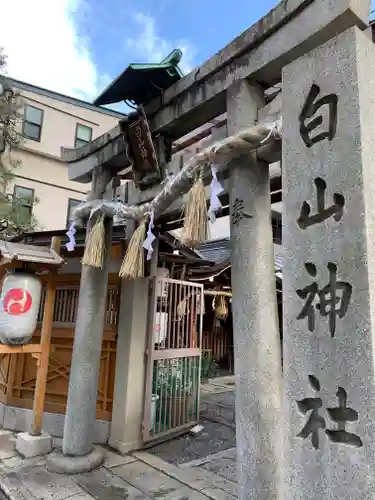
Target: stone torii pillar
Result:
[79, 455]
[257, 355]
[329, 283]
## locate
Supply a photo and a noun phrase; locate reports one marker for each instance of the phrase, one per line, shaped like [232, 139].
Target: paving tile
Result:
[214, 480]
[224, 484]
[184, 493]
[19, 462]
[7, 446]
[151, 481]
[218, 494]
[112, 459]
[81, 496]
[14, 488]
[224, 466]
[208, 389]
[230, 453]
[194, 477]
[47, 485]
[103, 485]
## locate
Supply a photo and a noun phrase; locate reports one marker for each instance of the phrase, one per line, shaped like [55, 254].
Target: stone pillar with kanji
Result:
[329, 270]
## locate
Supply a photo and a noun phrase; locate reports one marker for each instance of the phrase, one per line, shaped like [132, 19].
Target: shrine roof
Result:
[219, 251]
[43, 238]
[168, 243]
[12, 253]
[141, 83]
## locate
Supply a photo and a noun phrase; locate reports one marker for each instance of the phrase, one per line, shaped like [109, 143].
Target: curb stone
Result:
[208, 458]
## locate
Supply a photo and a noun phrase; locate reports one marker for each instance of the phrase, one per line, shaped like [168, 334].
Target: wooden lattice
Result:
[18, 372]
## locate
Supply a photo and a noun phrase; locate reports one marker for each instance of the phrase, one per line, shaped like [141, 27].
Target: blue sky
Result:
[76, 47]
[128, 31]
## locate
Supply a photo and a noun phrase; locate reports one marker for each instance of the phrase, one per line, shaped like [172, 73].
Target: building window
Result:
[32, 123]
[83, 135]
[23, 202]
[72, 204]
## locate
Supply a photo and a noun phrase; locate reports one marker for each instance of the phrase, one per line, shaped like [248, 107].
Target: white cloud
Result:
[44, 48]
[147, 44]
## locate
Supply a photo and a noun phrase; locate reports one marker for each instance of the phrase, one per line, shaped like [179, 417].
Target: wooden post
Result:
[43, 358]
[154, 259]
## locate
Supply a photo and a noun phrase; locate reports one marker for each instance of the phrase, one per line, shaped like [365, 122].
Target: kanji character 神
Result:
[333, 299]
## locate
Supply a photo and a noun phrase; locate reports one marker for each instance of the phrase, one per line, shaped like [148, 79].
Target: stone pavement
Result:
[218, 401]
[218, 384]
[217, 415]
[139, 476]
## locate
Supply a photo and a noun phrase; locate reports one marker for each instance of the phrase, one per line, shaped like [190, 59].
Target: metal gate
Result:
[173, 357]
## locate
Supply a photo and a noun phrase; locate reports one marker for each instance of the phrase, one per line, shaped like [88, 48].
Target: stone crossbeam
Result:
[287, 32]
[108, 150]
[218, 153]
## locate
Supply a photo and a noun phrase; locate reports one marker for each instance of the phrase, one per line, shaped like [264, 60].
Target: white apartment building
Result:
[51, 121]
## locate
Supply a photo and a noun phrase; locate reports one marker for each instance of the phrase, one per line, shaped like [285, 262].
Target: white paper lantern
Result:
[160, 327]
[19, 307]
[161, 285]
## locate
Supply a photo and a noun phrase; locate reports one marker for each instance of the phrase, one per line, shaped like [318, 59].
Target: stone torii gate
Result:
[320, 53]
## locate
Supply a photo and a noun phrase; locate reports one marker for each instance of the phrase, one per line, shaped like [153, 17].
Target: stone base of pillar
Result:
[32, 446]
[68, 464]
[125, 447]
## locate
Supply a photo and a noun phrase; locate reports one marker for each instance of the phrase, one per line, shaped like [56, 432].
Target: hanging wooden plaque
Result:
[145, 164]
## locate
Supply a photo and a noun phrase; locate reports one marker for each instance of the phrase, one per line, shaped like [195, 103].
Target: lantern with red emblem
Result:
[19, 307]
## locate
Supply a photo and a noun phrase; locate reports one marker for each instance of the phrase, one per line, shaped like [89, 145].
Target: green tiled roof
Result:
[140, 83]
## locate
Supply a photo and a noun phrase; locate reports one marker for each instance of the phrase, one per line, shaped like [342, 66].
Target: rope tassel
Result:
[95, 245]
[133, 264]
[196, 229]
[221, 307]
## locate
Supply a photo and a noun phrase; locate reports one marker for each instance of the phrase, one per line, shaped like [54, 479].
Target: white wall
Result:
[41, 167]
